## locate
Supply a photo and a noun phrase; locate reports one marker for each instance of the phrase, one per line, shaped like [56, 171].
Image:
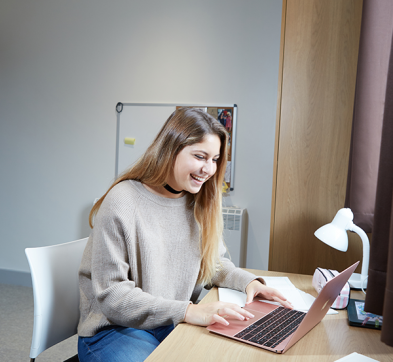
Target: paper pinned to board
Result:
[300, 300]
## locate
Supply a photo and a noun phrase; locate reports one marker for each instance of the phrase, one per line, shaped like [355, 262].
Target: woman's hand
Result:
[217, 312]
[256, 288]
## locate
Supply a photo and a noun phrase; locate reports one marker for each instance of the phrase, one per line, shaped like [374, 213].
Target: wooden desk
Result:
[330, 340]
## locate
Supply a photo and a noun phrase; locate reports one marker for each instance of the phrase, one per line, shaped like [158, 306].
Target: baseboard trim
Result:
[15, 277]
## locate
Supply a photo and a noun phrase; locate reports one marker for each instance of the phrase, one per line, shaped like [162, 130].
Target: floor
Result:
[16, 328]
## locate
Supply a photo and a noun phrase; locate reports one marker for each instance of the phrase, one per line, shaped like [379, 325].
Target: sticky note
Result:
[129, 141]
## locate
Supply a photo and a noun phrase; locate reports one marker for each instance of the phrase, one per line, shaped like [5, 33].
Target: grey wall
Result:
[65, 64]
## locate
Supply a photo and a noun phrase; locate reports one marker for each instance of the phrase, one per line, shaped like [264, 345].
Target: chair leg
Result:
[32, 359]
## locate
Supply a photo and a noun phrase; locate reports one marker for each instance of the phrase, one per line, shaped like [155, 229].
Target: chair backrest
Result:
[54, 274]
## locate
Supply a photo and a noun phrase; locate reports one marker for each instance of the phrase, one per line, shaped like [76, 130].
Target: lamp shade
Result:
[333, 236]
[335, 233]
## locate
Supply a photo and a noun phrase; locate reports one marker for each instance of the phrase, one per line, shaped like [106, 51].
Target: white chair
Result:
[54, 274]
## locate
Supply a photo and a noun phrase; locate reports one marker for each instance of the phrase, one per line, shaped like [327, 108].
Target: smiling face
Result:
[195, 164]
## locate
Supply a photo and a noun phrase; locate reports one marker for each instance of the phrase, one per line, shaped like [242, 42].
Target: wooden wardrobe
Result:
[318, 62]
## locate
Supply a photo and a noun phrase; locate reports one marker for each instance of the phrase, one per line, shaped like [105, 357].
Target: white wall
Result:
[65, 64]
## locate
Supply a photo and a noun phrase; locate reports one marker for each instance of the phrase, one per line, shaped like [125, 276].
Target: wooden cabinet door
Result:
[319, 50]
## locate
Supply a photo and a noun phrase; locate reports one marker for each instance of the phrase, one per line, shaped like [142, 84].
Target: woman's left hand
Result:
[256, 288]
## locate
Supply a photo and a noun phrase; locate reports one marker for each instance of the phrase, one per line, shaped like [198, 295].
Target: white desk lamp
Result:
[335, 235]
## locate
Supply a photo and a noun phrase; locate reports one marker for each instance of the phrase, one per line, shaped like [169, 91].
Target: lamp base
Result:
[355, 281]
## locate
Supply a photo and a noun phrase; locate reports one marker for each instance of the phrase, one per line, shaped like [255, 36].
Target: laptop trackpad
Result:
[261, 307]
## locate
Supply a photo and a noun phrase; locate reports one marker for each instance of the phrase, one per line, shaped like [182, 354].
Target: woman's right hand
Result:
[217, 312]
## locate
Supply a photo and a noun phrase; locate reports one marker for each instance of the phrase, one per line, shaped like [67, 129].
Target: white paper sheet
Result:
[356, 357]
[288, 290]
[300, 300]
[232, 296]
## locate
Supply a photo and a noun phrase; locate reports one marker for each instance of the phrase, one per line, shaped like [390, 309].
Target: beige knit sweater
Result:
[141, 263]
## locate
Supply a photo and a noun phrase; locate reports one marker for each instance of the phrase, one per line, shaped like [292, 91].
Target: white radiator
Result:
[235, 237]
[235, 234]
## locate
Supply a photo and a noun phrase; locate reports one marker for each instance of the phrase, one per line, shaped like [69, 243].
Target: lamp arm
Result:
[366, 247]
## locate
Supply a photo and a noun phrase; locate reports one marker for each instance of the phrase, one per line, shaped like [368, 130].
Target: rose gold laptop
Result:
[276, 328]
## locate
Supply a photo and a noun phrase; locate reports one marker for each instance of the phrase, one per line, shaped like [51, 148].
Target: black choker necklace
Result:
[170, 189]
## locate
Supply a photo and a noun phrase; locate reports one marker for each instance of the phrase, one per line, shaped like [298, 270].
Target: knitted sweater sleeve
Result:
[118, 298]
[229, 276]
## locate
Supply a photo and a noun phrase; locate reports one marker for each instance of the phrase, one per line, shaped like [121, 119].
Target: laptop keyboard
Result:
[273, 328]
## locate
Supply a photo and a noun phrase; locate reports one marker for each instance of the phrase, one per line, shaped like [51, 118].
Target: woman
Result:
[156, 241]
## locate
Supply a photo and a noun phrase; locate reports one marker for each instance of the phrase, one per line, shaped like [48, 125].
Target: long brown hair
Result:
[185, 127]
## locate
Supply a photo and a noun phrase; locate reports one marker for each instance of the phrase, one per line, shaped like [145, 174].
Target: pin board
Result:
[139, 123]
